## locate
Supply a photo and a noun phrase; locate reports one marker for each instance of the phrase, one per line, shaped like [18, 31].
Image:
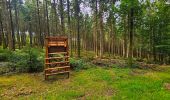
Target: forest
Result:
[116, 47]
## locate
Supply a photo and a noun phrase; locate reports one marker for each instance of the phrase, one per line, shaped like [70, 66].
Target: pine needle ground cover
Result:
[91, 84]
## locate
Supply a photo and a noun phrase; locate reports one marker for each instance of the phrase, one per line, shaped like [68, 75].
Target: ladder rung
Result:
[56, 45]
[57, 57]
[57, 63]
[57, 53]
[57, 73]
[57, 68]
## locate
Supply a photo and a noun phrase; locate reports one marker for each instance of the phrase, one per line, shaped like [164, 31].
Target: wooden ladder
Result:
[57, 56]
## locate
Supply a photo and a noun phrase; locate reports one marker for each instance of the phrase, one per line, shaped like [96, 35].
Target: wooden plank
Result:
[57, 57]
[57, 53]
[57, 37]
[56, 63]
[50, 45]
[58, 73]
[57, 68]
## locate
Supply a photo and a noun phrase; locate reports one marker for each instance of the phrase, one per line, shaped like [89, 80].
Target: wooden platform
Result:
[57, 56]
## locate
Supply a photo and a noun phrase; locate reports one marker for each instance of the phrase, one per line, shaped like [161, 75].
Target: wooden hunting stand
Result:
[57, 56]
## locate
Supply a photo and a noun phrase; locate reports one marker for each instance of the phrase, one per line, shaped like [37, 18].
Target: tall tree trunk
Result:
[30, 34]
[125, 37]
[40, 40]
[1, 29]
[12, 28]
[153, 44]
[7, 34]
[48, 29]
[78, 27]
[62, 17]
[56, 17]
[17, 25]
[101, 28]
[96, 29]
[69, 27]
[3, 39]
[131, 37]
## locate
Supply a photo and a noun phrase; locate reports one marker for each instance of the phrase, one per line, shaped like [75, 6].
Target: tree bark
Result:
[1, 28]
[96, 28]
[101, 28]
[17, 25]
[125, 37]
[78, 27]
[56, 17]
[62, 17]
[30, 34]
[48, 29]
[69, 27]
[131, 37]
[12, 28]
[39, 26]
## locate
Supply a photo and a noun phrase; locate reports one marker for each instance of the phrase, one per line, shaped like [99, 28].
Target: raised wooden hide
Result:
[57, 56]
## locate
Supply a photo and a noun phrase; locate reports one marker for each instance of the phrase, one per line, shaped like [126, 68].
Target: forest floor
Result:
[98, 83]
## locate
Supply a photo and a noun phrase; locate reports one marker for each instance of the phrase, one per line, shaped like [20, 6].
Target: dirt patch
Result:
[109, 92]
[106, 92]
[15, 92]
[24, 91]
[167, 86]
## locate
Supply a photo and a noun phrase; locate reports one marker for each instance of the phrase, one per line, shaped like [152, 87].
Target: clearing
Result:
[93, 83]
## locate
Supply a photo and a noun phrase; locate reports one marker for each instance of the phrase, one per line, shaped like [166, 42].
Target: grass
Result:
[91, 84]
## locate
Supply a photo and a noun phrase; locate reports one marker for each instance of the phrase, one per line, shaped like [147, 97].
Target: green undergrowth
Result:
[24, 60]
[32, 60]
[89, 80]
[91, 84]
[80, 64]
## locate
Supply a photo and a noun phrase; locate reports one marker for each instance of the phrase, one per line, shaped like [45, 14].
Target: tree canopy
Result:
[134, 29]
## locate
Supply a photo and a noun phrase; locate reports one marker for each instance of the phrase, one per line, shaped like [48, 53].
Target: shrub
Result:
[133, 62]
[4, 54]
[78, 64]
[35, 61]
[18, 61]
[27, 60]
